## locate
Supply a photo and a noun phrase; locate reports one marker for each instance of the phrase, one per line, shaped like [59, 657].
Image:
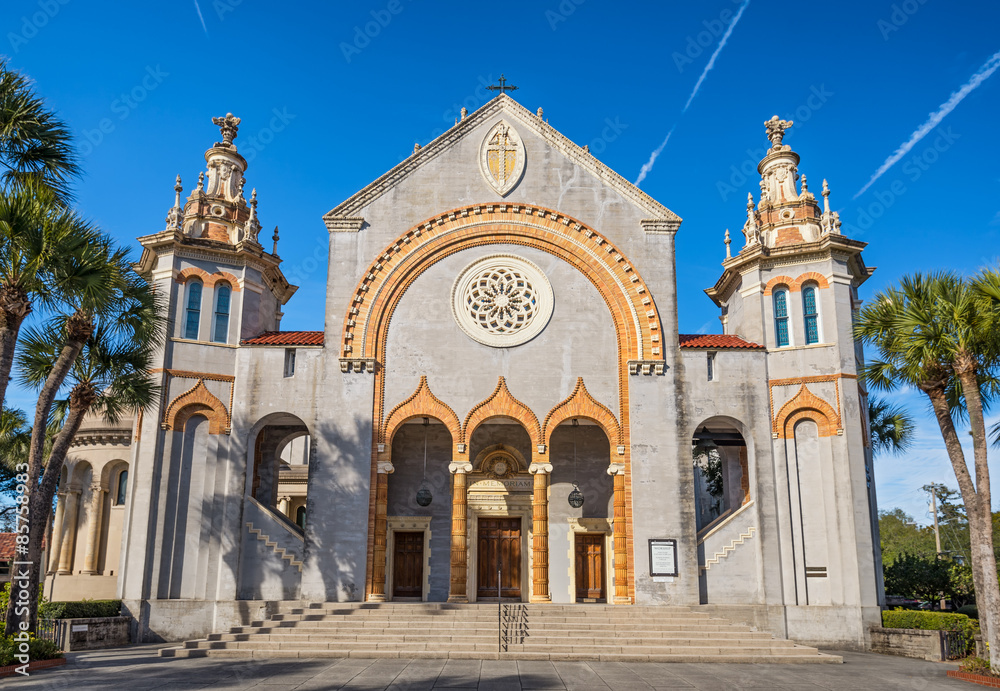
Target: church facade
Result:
[499, 404]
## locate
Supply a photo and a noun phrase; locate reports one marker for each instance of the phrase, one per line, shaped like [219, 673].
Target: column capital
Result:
[459, 467]
[540, 468]
[386, 468]
[616, 469]
[97, 489]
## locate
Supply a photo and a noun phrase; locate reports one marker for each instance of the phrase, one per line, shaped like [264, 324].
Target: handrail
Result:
[722, 521]
[287, 523]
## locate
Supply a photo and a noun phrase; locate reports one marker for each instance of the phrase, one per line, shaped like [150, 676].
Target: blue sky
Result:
[336, 95]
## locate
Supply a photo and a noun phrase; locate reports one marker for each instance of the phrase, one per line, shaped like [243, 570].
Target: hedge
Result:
[85, 609]
[932, 621]
[38, 649]
[970, 611]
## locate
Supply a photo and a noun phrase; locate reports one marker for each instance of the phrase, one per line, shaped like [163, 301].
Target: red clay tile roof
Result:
[8, 541]
[287, 338]
[716, 341]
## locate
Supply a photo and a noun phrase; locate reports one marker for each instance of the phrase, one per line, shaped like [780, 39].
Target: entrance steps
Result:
[520, 632]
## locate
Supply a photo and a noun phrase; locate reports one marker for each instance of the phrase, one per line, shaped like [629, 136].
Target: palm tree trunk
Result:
[40, 505]
[970, 498]
[79, 328]
[981, 531]
[8, 341]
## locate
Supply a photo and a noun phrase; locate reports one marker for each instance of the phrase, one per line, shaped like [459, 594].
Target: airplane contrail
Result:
[648, 165]
[197, 7]
[984, 72]
[718, 49]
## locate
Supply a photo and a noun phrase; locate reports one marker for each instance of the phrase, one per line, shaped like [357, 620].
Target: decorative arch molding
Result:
[209, 280]
[581, 404]
[795, 284]
[421, 402]
[489, 451]
[502, 404]
[806, 405]
[197, 400]
[110, 470]
[388, 277]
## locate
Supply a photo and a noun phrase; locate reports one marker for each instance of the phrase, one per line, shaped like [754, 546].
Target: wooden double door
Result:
[408, 565]
[589, 567]
[499, 558]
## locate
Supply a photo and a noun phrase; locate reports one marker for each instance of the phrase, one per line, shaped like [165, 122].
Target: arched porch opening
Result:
[280, 454]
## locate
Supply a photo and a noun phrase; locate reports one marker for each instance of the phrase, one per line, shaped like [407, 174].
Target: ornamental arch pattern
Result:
[806, 405]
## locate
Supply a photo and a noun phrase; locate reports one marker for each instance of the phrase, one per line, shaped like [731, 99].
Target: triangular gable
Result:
[503, 103]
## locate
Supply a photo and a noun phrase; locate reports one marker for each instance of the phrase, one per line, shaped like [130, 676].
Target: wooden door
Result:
[408, 565]
[589, 566]
[499, 543]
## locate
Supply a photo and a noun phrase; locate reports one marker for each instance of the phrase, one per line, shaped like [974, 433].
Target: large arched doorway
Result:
[279, 468]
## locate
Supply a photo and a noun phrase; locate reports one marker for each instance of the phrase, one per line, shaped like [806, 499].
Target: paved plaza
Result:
[138, 669]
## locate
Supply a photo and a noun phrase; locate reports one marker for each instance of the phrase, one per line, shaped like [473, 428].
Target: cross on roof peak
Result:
[503, 85]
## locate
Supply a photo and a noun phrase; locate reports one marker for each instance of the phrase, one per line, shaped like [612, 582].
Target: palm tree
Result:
[102, 350]
[46, 253]
[891, 426]
[35, 144]
[987, 283]
[933, 333]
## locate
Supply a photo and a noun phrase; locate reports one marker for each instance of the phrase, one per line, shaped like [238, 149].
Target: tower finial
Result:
[201, 182]
[727, 241]
[274, 237]
[175, 217]
[228, 126]
[826, 197]
[177, 193]
[776, 130]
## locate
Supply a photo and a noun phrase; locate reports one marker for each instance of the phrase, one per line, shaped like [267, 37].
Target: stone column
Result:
[94, 529]
[617, 472]
[70, 518]
[283, 505]
[381, 529]
[55, 545]
[459, 532]
[540, 532]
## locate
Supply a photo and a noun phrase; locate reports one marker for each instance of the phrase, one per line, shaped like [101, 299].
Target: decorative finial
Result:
[175, 217]
[540, 112]
[228, 126]
[464, 113]
[586, 147]
[177, 193]
[727, 241]
[826, 197]
[253, 199]
[805, 184]
[275, 238]
[201, 182]
[749, 201]
[776, 130]
[416, 148]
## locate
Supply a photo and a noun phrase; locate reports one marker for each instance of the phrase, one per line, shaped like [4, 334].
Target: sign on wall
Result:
[662, 557]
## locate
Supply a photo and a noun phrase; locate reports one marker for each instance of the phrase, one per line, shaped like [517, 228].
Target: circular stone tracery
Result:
[502, 300]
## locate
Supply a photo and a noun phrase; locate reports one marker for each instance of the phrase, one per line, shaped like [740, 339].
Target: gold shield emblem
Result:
[502, 157]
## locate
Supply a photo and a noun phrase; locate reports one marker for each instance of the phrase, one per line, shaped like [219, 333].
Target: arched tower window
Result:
[192, 312]
[300, 517]
[810, 314]
[781, 317]
[120, 489]
[220, 332]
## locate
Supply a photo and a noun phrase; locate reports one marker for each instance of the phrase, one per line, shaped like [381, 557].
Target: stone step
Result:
[430, 642]
[557, 627]
[447, 636]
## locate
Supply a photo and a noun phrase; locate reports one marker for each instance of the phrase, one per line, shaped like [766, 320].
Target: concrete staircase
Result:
[525, 632]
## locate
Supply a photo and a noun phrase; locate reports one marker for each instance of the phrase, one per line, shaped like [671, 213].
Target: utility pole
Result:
[937, 532]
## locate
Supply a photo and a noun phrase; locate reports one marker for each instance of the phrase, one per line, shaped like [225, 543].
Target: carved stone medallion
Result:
[500, 466]
[502, 300]
[501, 157]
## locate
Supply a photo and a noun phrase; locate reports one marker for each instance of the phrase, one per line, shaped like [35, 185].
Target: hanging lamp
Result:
[424, 495]
[575, 497]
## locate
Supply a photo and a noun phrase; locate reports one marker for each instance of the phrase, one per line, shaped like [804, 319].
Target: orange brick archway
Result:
[636, 320]
[581, 404]
[197, 400]
[421, 403]
[806, 405]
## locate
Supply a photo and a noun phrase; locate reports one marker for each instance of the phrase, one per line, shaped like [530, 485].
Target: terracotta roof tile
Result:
[8, 543]
[286, 338]
[716, 341]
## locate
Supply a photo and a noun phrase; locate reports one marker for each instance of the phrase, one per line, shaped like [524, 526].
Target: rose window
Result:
[502, 300]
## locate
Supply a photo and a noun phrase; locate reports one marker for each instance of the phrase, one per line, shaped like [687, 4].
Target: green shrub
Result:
[975, 665]
[970, 611]
[84, 609]
[38, 649]
[933, 621]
